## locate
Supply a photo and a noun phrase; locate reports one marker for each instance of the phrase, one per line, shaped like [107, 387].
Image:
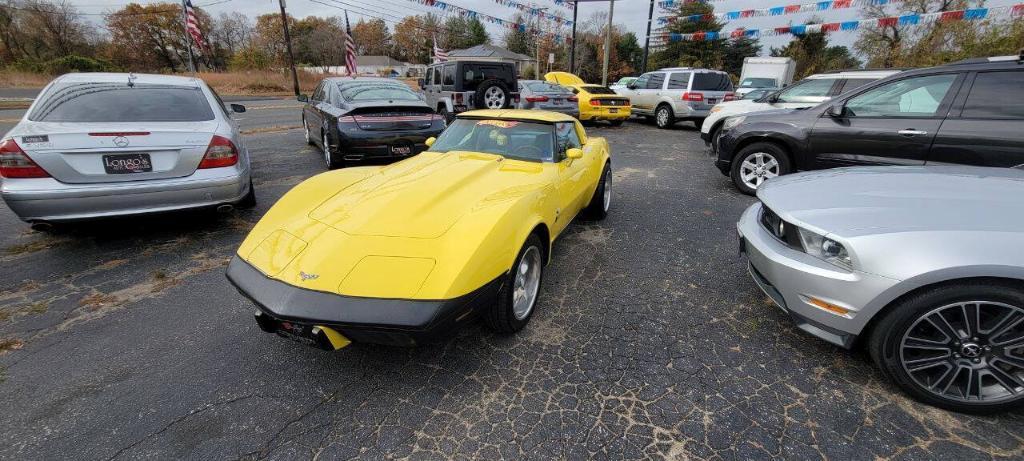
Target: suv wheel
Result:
[446, 115]
[958, 347]
[664, 116]
[756, 164]
[492, 94]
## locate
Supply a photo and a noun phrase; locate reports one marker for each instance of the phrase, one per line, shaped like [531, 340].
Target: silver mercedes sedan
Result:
[107, 144]
[924, 264]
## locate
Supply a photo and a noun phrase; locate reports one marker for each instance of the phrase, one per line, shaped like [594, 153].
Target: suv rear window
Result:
[996, 95]
[711, 81]
[117, 102]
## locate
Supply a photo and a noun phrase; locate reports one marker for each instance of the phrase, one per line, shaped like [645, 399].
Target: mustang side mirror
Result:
[237, 108]
[574, 153]
[836, 110]
[302, 98]
[430, 141]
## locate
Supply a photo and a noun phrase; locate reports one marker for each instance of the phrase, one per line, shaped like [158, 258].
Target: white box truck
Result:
[761, 72]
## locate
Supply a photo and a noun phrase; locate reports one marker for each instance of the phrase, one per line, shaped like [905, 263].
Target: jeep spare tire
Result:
[492, 94]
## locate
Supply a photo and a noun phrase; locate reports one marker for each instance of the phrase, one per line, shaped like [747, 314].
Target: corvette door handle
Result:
[912, 132]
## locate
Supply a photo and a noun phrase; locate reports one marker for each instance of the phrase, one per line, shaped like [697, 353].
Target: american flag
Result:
[350, 50]
[439, 54]
[192, 25]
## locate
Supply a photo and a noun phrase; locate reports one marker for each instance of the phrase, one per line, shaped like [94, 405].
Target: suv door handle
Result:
[911, 132]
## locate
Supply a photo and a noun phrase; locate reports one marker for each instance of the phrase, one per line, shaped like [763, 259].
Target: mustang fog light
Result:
[733, 121]
[824, 248]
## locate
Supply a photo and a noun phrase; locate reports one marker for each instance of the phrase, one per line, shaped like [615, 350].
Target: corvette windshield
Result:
[509, 138]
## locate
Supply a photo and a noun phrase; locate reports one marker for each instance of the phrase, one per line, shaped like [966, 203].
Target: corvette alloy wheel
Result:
[527, 283]
[969, 352]
[607, 189]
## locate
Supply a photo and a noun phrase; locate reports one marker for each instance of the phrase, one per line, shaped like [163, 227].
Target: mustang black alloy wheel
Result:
[519, 291]
[959, 347]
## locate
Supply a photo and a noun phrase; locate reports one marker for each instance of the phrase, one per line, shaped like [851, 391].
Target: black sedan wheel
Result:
[958, 347]
[305, 128]
[331, 159]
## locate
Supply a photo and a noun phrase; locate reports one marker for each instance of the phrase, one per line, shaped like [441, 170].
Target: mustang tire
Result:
[519, 291]
[757, 163]
[958, 347]
[492, 94]
[599, 204]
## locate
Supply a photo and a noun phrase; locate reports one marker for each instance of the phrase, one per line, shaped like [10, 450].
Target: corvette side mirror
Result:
[574, 153]
[302, 98]
[430, 141]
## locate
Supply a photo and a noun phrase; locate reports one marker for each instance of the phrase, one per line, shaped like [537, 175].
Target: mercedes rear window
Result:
[117, 102]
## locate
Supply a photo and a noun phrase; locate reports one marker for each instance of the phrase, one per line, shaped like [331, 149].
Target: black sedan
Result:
[354, 119]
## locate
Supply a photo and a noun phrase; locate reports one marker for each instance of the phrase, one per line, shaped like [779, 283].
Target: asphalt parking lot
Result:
[122, 339]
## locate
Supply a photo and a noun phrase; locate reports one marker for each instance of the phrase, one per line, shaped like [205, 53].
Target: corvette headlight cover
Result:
[824, 248]
[733, 121]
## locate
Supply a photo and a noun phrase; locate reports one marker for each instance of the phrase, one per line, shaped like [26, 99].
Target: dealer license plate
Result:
[127, 163]
[613, 111]
[401, 150]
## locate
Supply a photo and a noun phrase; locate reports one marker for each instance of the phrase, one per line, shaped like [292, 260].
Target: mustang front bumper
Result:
[404, 322]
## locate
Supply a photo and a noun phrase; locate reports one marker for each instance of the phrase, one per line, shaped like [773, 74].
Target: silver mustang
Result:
[925, 264]
[96, 145]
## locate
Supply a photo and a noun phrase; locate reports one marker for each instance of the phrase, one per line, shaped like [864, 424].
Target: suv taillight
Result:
[690, 96]
[221, 153]
[729, 97]
[15, 163]
[457, 98]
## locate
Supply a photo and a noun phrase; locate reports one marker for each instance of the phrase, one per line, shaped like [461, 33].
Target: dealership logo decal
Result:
[120, 141]
[304, 276]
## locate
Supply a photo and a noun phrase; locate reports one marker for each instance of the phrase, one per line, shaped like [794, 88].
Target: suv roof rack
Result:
[869, 69]
[1009, 58]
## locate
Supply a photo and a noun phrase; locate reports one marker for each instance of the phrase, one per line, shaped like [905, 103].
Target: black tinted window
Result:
[854, 83]
[711, 81]
[449, 74]
[656, 81]
[679, 81]
[996, 95]
[117, 102]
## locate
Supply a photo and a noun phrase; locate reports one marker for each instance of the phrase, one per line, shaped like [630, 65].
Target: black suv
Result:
[456, 86]
[970, 112]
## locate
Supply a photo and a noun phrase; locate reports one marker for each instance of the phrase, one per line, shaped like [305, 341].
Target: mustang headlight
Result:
[824, 248]
[733, 121]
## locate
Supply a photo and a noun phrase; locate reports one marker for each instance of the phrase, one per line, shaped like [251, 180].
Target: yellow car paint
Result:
[431, 227]
[336, 339]
[587, 110]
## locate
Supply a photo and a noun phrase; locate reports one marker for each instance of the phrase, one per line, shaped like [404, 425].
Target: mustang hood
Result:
[851, 202]
[420, 198]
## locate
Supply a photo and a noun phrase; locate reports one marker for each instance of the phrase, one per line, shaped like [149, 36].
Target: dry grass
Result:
[244, 83]
[10, 344]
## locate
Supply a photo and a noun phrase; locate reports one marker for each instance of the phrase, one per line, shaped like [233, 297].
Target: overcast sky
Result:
[631, 13]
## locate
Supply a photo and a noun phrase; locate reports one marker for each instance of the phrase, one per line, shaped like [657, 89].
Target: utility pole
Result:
[572, 46]
[647, 38]
[536, 70]
[288, 46]
[188, 38]
[607, 43]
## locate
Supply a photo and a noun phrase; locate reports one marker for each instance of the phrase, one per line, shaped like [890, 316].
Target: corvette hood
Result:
[851, 202]
[424, 196]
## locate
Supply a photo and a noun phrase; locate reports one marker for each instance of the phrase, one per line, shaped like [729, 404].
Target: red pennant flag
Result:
[830, 27]
[746, 13]
[792, 9]
[736, 33]
[837, 4]
[698, 37]
[782, 30]
[1018, 10]
[888, 22]
[951, 16]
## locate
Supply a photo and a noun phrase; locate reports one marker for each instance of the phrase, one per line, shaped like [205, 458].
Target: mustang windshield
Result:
[509, 138]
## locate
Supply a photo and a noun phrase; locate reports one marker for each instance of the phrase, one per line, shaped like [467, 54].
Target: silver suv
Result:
[678, 93]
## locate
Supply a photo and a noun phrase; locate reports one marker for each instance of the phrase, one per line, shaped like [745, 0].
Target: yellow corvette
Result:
[405, 253]
[596, 102]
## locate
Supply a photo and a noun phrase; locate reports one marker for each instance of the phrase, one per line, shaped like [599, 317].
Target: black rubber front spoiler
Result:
[377, 320]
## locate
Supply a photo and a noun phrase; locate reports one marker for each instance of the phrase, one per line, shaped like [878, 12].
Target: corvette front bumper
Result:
[403, 322]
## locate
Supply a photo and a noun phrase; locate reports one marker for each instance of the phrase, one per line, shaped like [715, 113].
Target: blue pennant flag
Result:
[909, 19]
[975, 13]
[824, 5]
[849, 25]
[777, 11]
[798, 30]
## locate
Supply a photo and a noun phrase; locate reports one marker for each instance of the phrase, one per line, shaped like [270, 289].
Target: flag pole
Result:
[188, 38]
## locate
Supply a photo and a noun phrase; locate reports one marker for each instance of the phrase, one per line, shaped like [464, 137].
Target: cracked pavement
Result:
[649, 341]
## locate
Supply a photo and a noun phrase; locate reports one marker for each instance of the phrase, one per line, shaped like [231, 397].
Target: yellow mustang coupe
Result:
[596, 102]
[405, 253]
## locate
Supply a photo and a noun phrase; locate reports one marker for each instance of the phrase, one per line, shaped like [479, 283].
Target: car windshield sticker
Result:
[498, 123]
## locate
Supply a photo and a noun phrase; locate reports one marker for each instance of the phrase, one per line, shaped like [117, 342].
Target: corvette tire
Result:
[502, 316]
[599, 204]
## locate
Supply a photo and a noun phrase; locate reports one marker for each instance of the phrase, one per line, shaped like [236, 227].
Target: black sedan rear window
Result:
[377, 91]
[117, 102]
[598, 90]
